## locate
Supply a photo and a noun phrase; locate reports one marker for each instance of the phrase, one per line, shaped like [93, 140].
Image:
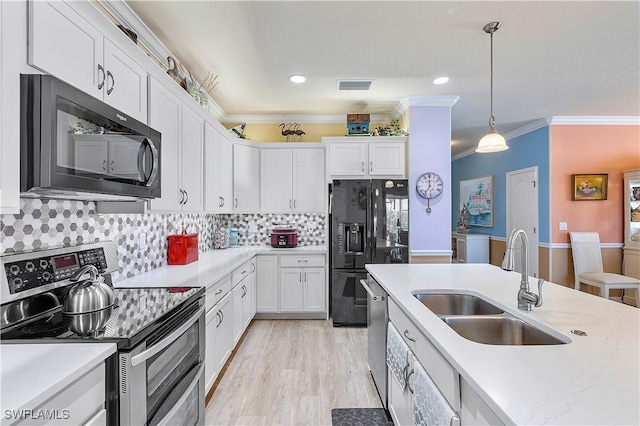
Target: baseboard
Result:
[291, 315]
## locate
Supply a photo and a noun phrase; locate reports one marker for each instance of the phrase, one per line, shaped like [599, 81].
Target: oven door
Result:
[162, 379]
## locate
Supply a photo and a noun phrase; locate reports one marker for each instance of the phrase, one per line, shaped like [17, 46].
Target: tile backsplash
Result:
[45, 223]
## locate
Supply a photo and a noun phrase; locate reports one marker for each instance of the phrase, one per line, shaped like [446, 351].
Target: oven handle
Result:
[374, 297]
[183, 398]
[145, 355]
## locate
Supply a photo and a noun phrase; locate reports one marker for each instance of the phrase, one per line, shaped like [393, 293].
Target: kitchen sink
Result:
[502, 329]
[457, 304]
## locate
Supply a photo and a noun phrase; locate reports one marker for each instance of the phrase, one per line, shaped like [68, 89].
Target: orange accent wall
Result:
[578, 149]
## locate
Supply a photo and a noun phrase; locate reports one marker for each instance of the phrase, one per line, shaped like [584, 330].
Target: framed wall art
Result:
[477, 196]
[591, 187]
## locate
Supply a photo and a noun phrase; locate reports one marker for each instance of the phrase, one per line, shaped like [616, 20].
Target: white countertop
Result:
[32, 373]
[211, 266]
[591, 380]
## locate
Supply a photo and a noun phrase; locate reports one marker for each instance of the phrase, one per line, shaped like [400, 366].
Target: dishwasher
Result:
[377, 319]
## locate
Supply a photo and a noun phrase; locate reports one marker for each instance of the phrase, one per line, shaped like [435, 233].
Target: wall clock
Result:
[429, 186]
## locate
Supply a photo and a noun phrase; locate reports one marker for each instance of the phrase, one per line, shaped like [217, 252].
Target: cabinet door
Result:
[64, 44]
[400, 403]
[291, 290]
[125, 85]
[314, 295]
[224, 332]
[246, 178]
[123, 159]
[267, 283]
[247, 304]
[386, 159]
[348, 159]
[165, 115]
[210, 370]
[238, 296]
[212, 199]
[254, 273]
[308, 181]
[276, 180]
[10, 42]
[225, 174]
[192, 164]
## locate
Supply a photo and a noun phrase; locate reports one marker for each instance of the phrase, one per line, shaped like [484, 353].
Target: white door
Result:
[308, 181]
[210, 371]
[291, 290]
[276, 175]
[225, 174]
[125, 83]
[348, 159]
[192, 164]
[522, 212]
[212, 199]
[386, 159]
[267, 284]
[165, 116]
[237, 295]
[224, 332]
[247, 303]
[246, 178]
[64, 44]
[314, 294]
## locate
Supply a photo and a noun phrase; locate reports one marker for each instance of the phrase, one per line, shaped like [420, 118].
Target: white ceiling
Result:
[550, 58]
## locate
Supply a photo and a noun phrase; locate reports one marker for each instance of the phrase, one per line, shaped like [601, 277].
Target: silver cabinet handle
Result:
[300, 276]
[289, 203]
[374, 297]
[182, 196]
[220, 318]
[220, 203]
[302, 261]
[407, 380]
[236, 203]
[113, 82]
[371, 167]
[187, 194]
[406, 334]
[244, 271]
[217, 292]
[253, 267]
[305, 277]
[113, 163]
[363, 166]
[148, 353]
[104, 165]
[294, 204]
[101, 84]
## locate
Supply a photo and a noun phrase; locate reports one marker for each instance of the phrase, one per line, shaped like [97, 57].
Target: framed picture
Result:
[477, 195]
[589, 187]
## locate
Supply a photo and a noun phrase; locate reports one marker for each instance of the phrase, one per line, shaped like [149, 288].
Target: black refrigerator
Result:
[369, 223]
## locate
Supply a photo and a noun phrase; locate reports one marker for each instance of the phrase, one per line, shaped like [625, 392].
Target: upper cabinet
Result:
[218, 179]
[292, 180]
[246, 178]
[375, 157]
[62, 43]
[182, 132]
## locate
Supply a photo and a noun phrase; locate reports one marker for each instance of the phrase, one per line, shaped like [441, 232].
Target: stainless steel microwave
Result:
[74, 146]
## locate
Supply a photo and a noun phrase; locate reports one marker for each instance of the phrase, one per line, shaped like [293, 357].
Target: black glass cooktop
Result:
[137, 313]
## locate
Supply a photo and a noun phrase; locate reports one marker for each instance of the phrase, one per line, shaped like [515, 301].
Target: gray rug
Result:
[360, 417]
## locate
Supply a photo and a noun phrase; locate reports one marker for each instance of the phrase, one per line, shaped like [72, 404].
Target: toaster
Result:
[183, 249]
[284, 237]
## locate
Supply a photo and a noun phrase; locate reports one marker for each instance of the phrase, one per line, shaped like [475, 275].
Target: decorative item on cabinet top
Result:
[292, 132]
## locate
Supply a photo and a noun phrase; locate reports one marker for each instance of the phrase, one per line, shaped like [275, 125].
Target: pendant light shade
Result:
[492, 141]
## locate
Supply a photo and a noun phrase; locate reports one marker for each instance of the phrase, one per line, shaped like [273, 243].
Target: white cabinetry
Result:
[182, 142]
[10, 39]
[218, 172]
[375, 157]
[64, 44]
[469, 248]
[267, 283]
[292, 180]
[241, 293]
[223, 333]
[246, 178]
[631, 249]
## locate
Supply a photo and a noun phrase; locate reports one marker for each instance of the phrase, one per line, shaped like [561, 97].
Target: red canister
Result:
[183, 249]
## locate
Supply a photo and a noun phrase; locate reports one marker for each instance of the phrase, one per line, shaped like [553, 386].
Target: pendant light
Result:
[492, 141]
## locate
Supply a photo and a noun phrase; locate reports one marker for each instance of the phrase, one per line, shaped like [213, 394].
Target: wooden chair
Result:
[587, 266]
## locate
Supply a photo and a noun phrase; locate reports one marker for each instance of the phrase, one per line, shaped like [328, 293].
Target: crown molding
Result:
[297, 118]
[410, 101]
[528, 128]
[594, 120]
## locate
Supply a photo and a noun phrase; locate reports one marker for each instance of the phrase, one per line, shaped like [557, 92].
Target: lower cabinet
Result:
[302, 289]
[242, 309]
[219, 335]
[267, 283]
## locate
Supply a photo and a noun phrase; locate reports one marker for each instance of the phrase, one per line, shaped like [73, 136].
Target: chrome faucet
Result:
[526, 298]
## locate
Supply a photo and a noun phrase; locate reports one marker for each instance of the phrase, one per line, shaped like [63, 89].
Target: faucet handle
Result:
[539, 301]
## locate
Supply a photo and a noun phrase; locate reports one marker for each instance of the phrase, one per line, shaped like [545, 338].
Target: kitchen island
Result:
[593, 379]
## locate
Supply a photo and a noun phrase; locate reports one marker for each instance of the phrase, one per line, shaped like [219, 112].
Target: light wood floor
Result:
[294, 372]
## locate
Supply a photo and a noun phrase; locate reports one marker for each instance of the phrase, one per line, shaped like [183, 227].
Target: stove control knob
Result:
[17, 283]
[44, 264]
[46, 276]
[30, 266]
[14, 269]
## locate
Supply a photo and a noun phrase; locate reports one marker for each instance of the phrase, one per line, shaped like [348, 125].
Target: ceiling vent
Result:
[354, 84]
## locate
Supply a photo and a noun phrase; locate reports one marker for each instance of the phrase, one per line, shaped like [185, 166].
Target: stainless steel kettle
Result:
[89, 295]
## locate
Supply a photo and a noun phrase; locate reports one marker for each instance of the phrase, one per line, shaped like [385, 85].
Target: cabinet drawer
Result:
[302, 261]
[240, 273]
[217, 291]
[77, 403]
[441, 372]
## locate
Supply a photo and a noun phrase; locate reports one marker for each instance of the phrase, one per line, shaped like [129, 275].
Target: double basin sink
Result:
[481, 321]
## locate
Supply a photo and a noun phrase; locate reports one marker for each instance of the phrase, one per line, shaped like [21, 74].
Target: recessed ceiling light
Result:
[441, 80]
[297, 78]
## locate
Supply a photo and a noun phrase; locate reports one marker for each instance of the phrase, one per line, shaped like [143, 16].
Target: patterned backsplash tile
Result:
[45, 223]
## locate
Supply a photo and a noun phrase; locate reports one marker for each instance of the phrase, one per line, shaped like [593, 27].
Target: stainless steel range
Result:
[157, 376]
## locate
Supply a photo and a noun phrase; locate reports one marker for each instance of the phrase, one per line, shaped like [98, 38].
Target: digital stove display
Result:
[65, 261]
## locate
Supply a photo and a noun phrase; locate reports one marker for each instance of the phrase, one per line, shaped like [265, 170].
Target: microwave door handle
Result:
[167, 341]
[154, 166]
[165, 420]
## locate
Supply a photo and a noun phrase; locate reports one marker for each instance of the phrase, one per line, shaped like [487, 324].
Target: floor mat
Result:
[360, 417]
